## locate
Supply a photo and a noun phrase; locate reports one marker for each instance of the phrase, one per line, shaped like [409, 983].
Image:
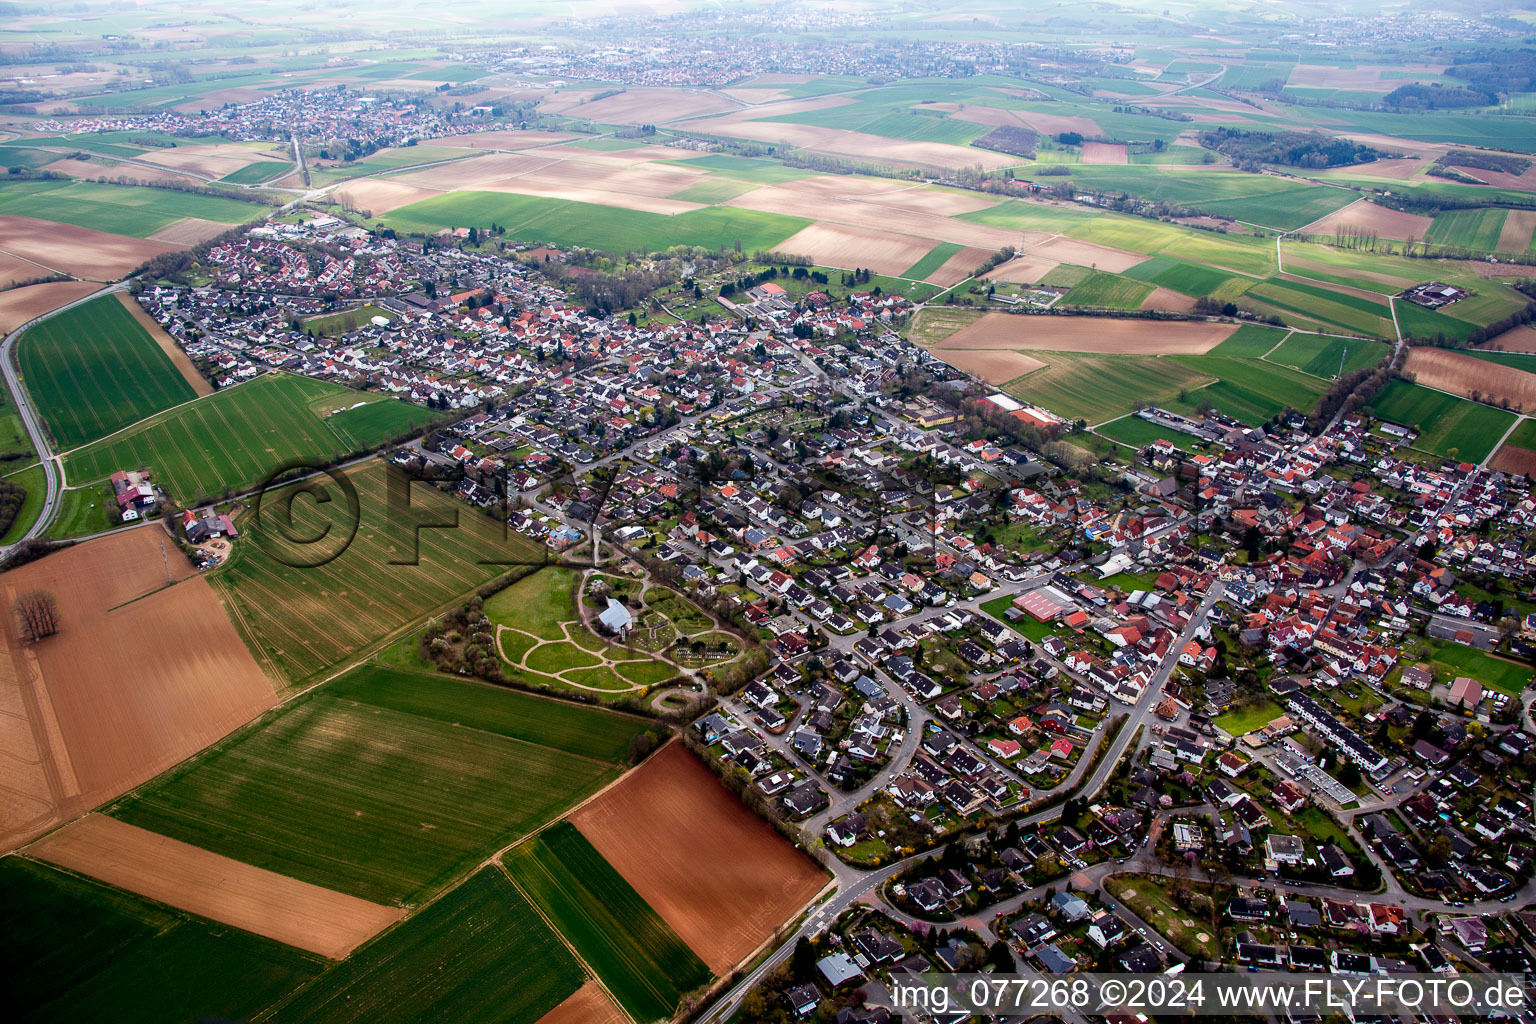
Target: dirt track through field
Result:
[1099, 335]
[140, 676]
[1461, 375]
[173, 352]
[189, 878]
[717, 873]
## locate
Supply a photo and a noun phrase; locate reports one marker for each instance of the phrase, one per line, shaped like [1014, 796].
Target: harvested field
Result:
[76, 251]
[1516, 233]
[1459, 374]
[214, 161]
[993, 117]
[1105, 153]
[756, 96]
[475, 171]
[189, 231]
[714, 871]
[838, 245]
[602, 197]
[1023, 270]
[1366, 216]
[1171, 301]
[869, 214]
[381, 195]
[1513, 459]
[194, 681]
[926, 200]
[1503, 179]
[1055, 124]
[846, 186]
[959, 267]
[18, 305]
[188, 878]
[1364, 78]
[1088, 254]
[500, 140]
[14, 269]
[646, 105]
[1516, 339]
[173, 352]
[995, 366]
[589, 1005]
[1098, 335]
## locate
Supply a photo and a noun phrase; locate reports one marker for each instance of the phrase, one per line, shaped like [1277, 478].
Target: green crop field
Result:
[1524, 436]
[575, 728]
[1349, 312]
[1097, 388]
[480, 953]
[1251, 341]
[1321, 356]
[932, 260]
[258, 172]
[635, 954]
[76, 950]
[236, 438]
[713, 190]
[1418, 322]
[1191, 278]
[757, 170]
[1468, 229]
[1288, 210]
[566, 222]
[1447, 425]
[1250, 390]
[133, 210]
[93, 369]
[1110, 291]
[390, 805]
[387, 160]
[1514, 360]
[300, 621]
[1261, 199]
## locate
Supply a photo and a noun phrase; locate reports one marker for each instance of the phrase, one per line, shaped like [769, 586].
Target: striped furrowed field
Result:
[1097, 388]
[382, 801]
[120, 209]
[1469, 229]
[1322, 356]
[78, 950]
[632, 950]
[302, 620]
[238, 437]
[94, 369]
[1190, 278]
[481, 953]
[1108, 291]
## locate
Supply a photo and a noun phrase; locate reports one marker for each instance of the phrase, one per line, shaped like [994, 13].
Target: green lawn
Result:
[1447, 425]
[237, 437]
[565, 222]
[537, 603]
[1138, 433]
[481, 953]
[366, 798]
[1503, 675]
[36, 483]
[77, 950]
[93, 369]
[633, 951]
[133, 210]
[83, 511]
[1248, 718]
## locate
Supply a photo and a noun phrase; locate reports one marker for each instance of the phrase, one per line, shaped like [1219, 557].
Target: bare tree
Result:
[38, 611]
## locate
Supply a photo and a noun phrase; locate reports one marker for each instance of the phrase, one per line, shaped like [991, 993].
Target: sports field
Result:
[299, 621]
[1447, 425]
[138, 211]
[238, 437]
[366, 798]
[481, 953]
[78, 950]
[94, 369]
[633, 951]
[571, 223]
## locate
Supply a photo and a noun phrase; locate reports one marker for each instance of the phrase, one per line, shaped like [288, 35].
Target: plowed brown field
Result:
[587, 1005]
[1367, 216]
[1100, 335]
[141, 675]
[78, 252]
[1461, 375]
[993, 365]
[1511, 459]
[1516, 339]
[1105, 153]
[190, 878]
[714, 871]
[18, 305]
[839, 245]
